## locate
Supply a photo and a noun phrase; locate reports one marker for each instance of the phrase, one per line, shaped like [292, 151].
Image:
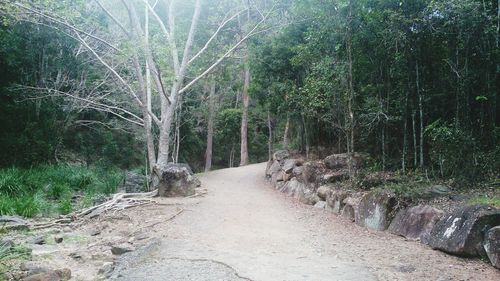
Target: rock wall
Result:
[471, 231]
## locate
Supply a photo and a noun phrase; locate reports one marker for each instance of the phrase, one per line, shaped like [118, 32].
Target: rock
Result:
[297, 171]
[374, 179]
[106, 269]
[287, 177]
[95, 232]
[289, 165]
[436, 191]
[351, 205]
[76, 255]
[335, 176]
[122, 249]
[342, 161]
[32, 268]
[277, 177]
[298, 190]
[39, 240]
[281, 155]
[58, 239]
[51, 275]
[336, 200]
[13, 223]
[274, 168]
[324, 192]
[461, 232]
[320, 205]
[492, 246]
[173, 180]
[141, 236]
[415, 222]
[312, 171]
[134, 182]
[376, 210]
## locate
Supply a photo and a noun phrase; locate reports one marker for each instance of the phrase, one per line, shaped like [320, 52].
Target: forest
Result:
[91, 88]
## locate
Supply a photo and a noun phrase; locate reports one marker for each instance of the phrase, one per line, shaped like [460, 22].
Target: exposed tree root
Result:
[119, 202]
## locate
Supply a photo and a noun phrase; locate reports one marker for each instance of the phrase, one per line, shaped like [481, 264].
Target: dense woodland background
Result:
[414, 84]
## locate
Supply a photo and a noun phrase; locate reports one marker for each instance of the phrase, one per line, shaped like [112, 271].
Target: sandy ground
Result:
[245, 230]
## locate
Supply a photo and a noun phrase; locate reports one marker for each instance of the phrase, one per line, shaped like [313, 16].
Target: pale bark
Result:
[270, 140]
[285, 134]
[210, 127]
[350, 79]
[421, 115]
[244, 117]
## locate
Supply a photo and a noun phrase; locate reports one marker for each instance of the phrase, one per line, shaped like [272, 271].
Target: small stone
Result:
[76, 255]
[58, 239]
[51, 275]
[39, 240]
[106, 269]
[122, 249]
[95, 232]
[32, 268]
[141, 236]
[67, 229]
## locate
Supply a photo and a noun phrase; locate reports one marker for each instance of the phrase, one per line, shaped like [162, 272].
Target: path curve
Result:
[245, 230]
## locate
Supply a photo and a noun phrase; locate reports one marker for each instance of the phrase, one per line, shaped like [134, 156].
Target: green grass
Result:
[48, 190]
[485, 200]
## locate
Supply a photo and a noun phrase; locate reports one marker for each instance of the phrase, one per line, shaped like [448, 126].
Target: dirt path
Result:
[245, 230]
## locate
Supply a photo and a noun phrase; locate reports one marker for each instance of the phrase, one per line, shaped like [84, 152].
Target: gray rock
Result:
[134, 182]
[273, 168]
[76, 255]
[298, 190]
[416, 222]
[122, 249]
[297, 171]
[106, 270]
[281, 155]
[351, 206]
[320, 205]
[324, 192]
[39, 240]
[95, 232]
[336, 200]
[51, 275]
[343, 160]
[289, 165]
[32, 268]
[461, 232]
[376, 210]
[13, 223]
[174, 180]
[436, 191]
[58, 239]
[277, 177]
[492, 246]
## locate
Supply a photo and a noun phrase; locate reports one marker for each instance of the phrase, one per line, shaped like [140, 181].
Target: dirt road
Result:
[245, 230]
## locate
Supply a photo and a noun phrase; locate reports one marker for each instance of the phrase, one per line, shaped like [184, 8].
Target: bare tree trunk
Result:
[421, 115]
[415, 148]
[306, 137]
[244, 118]
[350, 78]
[270, 140]
[285, 134]
[405, 134]
[148, 122]
[210, 127]
[178, 132]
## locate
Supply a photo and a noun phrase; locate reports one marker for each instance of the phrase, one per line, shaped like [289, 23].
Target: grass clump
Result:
[485, 200]
[49, 190]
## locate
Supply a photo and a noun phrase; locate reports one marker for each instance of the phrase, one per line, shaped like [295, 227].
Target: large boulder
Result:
[134, 182]
[416, 222]
[461, 232]
[273, 168]
[299, 190]
[343, 160]
[324, 192]
[281, 155]
[492, 246]
[376, 210]
[312, 172]
[436, 191]
[174, 180]
[351, 206]
[336, 200]
[289, 165]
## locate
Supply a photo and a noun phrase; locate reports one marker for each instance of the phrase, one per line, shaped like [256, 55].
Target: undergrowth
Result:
[52, 190]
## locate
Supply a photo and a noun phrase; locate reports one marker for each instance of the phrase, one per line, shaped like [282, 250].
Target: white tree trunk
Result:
[244, 118]
[210, 127]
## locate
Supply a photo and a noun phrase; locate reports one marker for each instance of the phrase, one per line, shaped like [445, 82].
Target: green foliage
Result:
[485, 200]
[49, 189]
